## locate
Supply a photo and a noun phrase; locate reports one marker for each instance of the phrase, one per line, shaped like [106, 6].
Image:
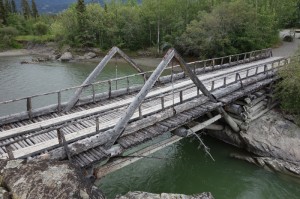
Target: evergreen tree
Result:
[81, 14]
[35, 12]
[13, 6]
[25, 9]
[7, 5]
[2, 13]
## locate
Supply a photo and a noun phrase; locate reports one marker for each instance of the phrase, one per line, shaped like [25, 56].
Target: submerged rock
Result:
[45, 179]
[145, 195]
[272, 137]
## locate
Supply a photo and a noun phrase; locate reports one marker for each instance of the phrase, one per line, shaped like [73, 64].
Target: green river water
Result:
[181, 168]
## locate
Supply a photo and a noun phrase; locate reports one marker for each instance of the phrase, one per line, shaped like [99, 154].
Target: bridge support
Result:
[97, 71]
[122, 123]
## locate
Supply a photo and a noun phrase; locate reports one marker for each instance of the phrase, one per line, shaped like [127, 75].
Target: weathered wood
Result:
[121, 125]
[120, 163]
[203, 89]
[59, 102]
[29, 108]
[91, 78]
[97, 71]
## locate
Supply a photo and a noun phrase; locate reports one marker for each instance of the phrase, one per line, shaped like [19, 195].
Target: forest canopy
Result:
[196, 28]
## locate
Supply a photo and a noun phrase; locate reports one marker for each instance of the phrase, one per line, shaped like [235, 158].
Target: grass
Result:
[35, 38]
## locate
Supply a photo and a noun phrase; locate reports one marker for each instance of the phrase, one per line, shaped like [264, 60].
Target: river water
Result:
[180, 168]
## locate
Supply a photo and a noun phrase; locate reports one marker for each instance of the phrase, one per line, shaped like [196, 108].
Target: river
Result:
[181, 168]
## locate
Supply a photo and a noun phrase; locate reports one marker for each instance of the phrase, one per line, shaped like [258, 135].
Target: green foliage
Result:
[7, 35]
[40, 28]
[228, 29]
[288, 89]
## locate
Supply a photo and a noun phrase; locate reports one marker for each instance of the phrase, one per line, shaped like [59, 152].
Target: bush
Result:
[288, 90]
[40, 28]
[7, 35]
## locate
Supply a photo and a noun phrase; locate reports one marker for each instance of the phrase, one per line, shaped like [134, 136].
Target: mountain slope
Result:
[53, 6]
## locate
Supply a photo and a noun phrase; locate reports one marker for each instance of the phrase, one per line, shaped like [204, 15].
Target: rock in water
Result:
[144, 195]
[46, 179]
[67, 56]
[90, 55]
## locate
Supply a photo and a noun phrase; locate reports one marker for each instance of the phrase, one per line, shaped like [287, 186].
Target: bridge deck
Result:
[31, 137]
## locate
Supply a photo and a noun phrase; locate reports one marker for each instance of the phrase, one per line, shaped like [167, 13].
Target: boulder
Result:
[273, 138]
[145, 195]
[67, 56]
[46, 179]
[90, 55]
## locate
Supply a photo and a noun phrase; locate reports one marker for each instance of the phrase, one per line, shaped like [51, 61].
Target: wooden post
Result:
[181, 96]
[140, 112]
[195, 68]
[62, 141]
[222, 60]
[256, 70]
[59, 102]
[230, 60]
[9, 152]
[94, 95]
[29, 108]
[162, 103]
[247, 74]
[109, 88]
[97, 124]
[224, 84]
[212, 85]
[145, 78]
[116, 84]
[127, 80]
[265, 68]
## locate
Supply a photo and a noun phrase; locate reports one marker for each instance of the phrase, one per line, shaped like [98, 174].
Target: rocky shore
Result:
[144, 195]
[273, 140]
[44, 179]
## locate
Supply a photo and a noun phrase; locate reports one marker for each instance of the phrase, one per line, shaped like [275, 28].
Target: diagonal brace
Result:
[96, 73]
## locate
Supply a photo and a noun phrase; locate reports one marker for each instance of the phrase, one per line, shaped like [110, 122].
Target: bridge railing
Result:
[119, 86]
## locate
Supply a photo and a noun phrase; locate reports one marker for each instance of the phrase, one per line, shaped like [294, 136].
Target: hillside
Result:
[53, 6]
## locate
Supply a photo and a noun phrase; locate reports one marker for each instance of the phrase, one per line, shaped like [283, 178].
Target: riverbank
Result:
[272, 141]
[50, 52]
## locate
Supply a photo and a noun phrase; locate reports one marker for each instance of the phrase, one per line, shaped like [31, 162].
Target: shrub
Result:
[7, 35]
[40, 28]
[288, 89]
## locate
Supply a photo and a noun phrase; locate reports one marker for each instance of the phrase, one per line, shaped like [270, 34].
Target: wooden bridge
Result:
[93, 127]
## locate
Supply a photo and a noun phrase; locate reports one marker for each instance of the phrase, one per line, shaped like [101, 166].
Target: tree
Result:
[34, 9]
[2, 13]
[25, 9]
[7, 5]
[13, 6]
[229, 28]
